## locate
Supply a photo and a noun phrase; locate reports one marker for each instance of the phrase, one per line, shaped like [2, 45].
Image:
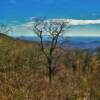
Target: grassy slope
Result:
[23, 77]
[16, 52]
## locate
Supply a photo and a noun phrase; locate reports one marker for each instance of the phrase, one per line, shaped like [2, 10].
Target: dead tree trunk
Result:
[54, 30]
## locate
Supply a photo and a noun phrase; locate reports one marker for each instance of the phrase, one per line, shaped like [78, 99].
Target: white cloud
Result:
[26, 28]
[76, 22]
[83, 35]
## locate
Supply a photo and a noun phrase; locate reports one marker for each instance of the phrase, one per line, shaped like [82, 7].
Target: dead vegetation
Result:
[23, 75]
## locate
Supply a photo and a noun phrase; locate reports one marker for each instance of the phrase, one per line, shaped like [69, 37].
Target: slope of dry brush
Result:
[23, 75]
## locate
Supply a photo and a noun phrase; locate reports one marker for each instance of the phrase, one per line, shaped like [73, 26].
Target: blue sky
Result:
[20, 12]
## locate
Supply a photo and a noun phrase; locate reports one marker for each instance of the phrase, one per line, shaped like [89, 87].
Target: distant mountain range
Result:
[78, 42]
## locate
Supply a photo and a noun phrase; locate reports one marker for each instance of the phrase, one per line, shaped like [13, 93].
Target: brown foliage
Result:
[23, 75]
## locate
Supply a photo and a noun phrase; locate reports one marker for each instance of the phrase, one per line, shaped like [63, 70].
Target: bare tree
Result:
[5, 29]
[54, 30]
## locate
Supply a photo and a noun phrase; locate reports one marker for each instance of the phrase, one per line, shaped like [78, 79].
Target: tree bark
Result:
[50, 74]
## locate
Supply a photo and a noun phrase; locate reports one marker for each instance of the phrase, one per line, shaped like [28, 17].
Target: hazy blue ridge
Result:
[78, 42]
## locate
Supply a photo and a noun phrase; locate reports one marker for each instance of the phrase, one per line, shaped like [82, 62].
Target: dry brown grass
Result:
[23, 75]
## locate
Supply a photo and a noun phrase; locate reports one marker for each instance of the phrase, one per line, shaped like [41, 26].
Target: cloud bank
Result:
[76, 22]
[26, 28]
